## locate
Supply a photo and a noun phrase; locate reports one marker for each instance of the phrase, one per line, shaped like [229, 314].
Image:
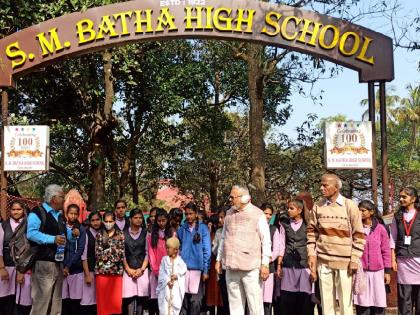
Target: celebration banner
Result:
[348, 145]
[26, 148]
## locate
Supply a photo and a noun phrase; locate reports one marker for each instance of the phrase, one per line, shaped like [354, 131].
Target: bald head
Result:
[330, 186]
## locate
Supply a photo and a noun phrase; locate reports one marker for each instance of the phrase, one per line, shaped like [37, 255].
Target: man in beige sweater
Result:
[335, 244]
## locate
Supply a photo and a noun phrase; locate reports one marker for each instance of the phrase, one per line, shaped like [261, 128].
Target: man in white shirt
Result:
[245, 249]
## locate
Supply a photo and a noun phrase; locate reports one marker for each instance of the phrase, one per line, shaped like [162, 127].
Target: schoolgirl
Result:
[156, 246]
[72, 265]
[213, 295]
[221, 213]
[296, 287]
[88, 302]
[405, 250]
[268, 286]
[109, 267]
[176, 216]
[195, 251]
[136, 275]
[121, 221]
[376, 261]
[151, 219]
[15, 287]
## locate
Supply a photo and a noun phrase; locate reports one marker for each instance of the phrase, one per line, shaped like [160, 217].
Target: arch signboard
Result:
[361, 49]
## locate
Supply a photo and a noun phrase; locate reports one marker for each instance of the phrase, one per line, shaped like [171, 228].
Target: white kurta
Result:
[178, 290]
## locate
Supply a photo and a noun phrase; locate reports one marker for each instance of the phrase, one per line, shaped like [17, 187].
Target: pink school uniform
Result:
[376, 260]
[135, 242]
[88, 290]
[277, 249]
[7, 288]
[155, 257]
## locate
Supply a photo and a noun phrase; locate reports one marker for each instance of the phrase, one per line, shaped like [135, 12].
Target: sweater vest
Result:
[296, 254]
[242, 243]
[90, 250]
[412, 250]
[46, 252]
[135, 250]
[8, 233]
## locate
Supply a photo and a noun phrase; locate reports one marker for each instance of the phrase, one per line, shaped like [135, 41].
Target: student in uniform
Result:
[171, 282]
[276, 251]
[15, 288]
[376, 261]
[405, 251]
[151, 219]
[121, 221]
[156, 247]
[136, 274]
[175, 219]
[195, 251]
[296, 287]
[88, 302]
[109, 267]
[73, 269]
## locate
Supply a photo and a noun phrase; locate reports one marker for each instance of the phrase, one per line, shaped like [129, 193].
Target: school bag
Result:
[21, 251]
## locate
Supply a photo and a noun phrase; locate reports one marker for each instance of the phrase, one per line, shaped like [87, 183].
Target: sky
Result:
[342, 94]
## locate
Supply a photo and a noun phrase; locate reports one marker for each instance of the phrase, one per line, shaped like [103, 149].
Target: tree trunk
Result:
[101, 138]
[256, 114]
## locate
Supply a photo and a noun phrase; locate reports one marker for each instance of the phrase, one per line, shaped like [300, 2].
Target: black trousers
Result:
[88, 310]
[70, 307]
[223, 310]
[268, 308]
[134, 305]
[408, 298]
[296, 303]
[7, 305]
[192, 302]
[153, 307]
[372, 310]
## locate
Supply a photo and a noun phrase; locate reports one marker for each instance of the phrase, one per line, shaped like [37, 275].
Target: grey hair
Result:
[337, 179]
[242, 189]
[51, 191]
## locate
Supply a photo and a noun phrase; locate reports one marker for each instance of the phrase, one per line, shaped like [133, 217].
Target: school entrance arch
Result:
[350, 45]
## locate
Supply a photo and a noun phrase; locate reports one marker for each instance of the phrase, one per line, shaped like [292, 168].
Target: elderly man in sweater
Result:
[245, 249]
[335, 245]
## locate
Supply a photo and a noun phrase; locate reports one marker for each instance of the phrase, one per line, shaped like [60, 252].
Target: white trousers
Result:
[335, 283]
[245, 286]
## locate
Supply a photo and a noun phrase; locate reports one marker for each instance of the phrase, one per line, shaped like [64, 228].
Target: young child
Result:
[156, 247]
[376, 261]
[296, 287]
[73, 268]
[405, 246]
[88, 303]
[171, 283]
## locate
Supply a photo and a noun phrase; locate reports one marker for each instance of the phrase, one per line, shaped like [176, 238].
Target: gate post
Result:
[3, 181]
[372, 118]
[384, 148]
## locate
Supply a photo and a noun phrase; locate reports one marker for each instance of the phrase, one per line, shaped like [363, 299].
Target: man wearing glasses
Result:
[245, 249]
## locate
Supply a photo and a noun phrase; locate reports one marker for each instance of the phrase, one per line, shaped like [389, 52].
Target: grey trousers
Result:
[47, 283]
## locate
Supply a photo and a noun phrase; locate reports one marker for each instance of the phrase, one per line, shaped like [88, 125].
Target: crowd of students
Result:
[165, 263]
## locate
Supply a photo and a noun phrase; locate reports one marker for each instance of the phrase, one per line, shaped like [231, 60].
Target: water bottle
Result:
[59, 254]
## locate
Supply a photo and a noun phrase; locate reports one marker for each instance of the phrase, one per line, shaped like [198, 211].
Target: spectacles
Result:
[233, 197]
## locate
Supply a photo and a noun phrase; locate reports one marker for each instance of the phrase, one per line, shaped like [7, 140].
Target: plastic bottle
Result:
[59, 254]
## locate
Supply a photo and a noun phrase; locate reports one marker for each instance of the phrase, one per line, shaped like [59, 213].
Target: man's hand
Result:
[20, 278]
[279, 272]
[174, 278]
[205, 277]
[75, 232]
[170, 284]
[312, 263]
[4, 275]
[60, 240]
[353, 267]
[218, 267]
[387, 278]
[264, 272]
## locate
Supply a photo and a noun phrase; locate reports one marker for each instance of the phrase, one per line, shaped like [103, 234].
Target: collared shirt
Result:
[264, 233]
[120, 223]
[340, 201]
[34, 224]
